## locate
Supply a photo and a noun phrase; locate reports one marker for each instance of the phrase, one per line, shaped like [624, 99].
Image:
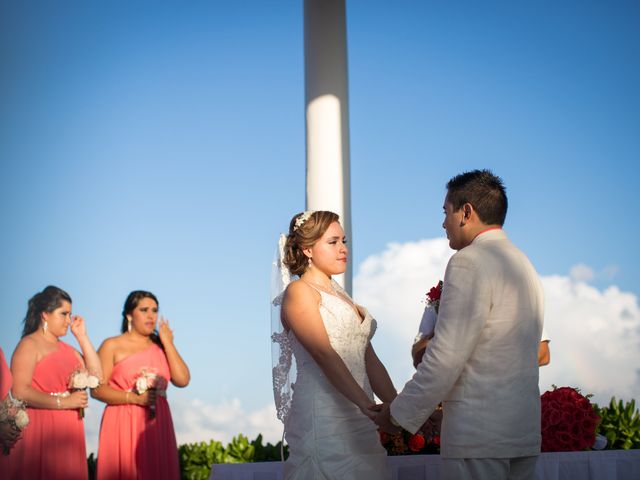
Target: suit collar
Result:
[495, 233]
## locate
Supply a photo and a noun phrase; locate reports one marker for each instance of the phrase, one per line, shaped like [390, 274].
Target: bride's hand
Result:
[371, 410]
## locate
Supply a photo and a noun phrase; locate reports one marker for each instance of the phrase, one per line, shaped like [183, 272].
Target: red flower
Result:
[436, 440]
[416, 442]
[568, 421]
[435, 292]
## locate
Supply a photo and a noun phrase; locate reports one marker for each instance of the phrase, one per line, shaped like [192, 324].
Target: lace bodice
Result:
[348, 334]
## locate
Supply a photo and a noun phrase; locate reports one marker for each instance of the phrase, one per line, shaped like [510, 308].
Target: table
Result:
[607, 464]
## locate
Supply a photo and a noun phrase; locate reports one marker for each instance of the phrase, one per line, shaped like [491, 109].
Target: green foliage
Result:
[620, 423]
[92, 466]
[268, 452]
[196, 459]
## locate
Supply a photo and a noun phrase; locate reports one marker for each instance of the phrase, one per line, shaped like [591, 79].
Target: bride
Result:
[327, 421]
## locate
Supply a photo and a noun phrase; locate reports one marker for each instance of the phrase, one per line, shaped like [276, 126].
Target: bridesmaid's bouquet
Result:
[81, 379]
[13, 412]
[146, 380]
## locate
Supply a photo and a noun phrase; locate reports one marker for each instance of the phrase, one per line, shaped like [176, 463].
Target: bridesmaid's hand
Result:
[8, 435]
[78, 327]
[144, 399]
[78, 399]
[164, 332]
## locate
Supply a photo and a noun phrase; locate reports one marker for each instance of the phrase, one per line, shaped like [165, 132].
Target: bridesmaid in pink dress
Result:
[137, 439]
[8, 434]
[53, 444]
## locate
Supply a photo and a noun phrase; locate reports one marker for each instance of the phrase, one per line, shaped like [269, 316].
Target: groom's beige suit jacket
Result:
[482, 361]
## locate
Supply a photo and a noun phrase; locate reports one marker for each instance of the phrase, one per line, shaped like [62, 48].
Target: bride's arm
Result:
[379, 378]
[301, 313]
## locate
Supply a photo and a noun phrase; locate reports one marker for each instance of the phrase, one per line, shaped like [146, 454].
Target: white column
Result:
[327, 113]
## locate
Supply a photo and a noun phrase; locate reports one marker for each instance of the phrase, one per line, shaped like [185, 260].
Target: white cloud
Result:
[196, 421]
[581, 273]
[595, 334]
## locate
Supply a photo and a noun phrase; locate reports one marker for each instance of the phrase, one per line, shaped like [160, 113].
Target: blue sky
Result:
[160, 145]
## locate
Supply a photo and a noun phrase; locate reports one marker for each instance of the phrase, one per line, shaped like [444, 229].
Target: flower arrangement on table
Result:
[81, 379]
[569, 420]
[405, 443]
[13, 412]
[425, 441]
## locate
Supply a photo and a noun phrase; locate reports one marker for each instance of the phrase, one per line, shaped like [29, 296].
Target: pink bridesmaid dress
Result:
[5, 386]
[52, 445]
[5, 377]
[136, 443]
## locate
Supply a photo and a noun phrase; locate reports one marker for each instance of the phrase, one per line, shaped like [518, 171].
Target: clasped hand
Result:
[381, 415]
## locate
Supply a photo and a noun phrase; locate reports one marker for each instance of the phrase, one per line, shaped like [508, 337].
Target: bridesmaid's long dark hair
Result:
[132, 301]
[45, 301]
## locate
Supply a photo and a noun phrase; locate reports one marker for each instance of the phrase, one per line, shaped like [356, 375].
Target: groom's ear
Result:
[466, 209]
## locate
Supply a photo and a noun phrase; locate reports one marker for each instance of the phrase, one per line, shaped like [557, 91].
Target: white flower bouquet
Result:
[13, 412]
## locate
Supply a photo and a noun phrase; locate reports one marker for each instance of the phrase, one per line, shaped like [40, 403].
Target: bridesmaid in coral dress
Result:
[137, 439]
[8, 434]
[53, 444]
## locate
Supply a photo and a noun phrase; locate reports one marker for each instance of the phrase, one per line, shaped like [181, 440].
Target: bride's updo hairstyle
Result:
[305, 230]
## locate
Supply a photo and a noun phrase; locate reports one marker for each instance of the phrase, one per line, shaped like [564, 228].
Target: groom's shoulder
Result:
[467, 257]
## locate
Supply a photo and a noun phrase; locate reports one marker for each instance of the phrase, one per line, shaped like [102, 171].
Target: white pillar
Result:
[327, 113]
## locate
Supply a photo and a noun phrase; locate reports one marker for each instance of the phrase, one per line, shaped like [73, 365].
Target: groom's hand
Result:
[383, 419]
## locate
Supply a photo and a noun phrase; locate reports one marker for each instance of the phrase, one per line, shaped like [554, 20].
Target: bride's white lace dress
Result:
[328, 436]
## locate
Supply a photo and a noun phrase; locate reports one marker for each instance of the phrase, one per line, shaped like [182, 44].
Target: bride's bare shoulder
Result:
[300, 291]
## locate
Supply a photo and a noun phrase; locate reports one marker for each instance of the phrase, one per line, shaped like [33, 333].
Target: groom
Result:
[482, 361]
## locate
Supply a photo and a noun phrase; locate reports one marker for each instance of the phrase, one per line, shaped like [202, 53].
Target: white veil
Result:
[284, 369]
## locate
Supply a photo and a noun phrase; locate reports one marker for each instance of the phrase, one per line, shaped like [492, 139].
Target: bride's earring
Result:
[129, 325]
[45, 327]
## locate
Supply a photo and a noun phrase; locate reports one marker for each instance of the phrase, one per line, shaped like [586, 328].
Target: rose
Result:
[434, 293]
[568, 421]
[142, 385]
[93, 381]
[79, 380]
[416, 442]
[21, 419]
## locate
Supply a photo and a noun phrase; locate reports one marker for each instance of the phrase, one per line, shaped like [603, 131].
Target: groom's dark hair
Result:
[484, 191]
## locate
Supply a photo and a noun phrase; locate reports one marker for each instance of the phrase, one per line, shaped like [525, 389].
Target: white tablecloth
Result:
[609, 464]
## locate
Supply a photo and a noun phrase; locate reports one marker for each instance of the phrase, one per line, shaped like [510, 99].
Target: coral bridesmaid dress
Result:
[52, 445]
[136, 443]
[5, 377]
[5, 386]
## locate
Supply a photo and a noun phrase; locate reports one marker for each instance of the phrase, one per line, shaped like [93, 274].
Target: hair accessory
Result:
[302, 219]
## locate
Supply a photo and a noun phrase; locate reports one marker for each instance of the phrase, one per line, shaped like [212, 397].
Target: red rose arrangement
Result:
[405, 443]
[569, 421]
[433, 296]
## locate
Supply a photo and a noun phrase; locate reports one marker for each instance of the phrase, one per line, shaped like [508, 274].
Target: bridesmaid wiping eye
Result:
[137, 438]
